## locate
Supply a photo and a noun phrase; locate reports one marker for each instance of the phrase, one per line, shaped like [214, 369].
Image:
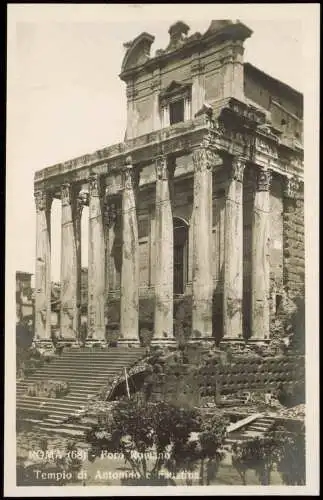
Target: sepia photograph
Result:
[157, 260]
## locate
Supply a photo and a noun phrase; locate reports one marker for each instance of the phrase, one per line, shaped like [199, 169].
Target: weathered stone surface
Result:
[202, 282]
[96, 258]
[260, 278]
[129, 302]
[293, 226]
[69, 265]
[164, 253]
[43, 272]
[233, 253]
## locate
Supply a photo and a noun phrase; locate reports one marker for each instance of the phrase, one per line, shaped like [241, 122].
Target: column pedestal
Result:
[260, 279]
[43, 272]
[164, 237]
[202, 281]
[233, 254]
[129, 298]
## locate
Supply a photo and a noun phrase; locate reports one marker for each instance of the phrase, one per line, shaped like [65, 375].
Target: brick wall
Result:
[294, 245]
[215, 377]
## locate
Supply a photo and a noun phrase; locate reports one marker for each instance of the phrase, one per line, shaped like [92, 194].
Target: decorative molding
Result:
[266, 148]
[43, 200]
[263, 180]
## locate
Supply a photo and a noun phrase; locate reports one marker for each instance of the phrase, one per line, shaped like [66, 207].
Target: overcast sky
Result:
[65, 97]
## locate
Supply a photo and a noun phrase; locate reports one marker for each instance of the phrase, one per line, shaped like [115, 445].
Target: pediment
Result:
[175, 88]
[138, 51]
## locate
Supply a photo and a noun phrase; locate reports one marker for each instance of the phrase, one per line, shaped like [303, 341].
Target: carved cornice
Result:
[43, 200]
[263, 180]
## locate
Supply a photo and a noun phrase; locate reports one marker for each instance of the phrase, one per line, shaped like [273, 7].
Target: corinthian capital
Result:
[94, 185]
[161, 168]
[130, 175]
[43, 200]
[203, 158]
[237, 168]
[263, 180]
[66, 194]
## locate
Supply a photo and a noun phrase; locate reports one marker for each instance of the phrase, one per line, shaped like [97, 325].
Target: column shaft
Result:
[260, 279]
[69, 266]
[233, 254]
[164, 254]
[43, 272]
[202, 282]
[96, 269]
[129, 297]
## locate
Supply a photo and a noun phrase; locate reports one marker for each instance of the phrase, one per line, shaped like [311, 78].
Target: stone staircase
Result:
[86, 370]
[256, 427]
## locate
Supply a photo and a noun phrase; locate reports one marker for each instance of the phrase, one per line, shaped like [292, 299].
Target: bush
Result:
[291, 395]
[141, 429]
[48, 389]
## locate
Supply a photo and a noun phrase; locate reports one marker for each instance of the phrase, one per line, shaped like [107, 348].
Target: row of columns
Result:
[202, 283]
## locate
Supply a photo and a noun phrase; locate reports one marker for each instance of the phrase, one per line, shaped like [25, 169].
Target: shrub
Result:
[138, 429]
[48, 389]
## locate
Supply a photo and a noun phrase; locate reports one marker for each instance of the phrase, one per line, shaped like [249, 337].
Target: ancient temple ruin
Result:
[201, 207]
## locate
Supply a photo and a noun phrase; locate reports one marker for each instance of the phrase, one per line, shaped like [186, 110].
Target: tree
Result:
[156, 436]
[292, 454]
[259, 454]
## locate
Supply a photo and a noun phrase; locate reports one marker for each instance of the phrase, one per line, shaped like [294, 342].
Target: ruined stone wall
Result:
[294, 244]
[285, 112]
[215, 378]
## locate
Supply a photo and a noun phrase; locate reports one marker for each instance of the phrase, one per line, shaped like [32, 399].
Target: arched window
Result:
[180, 255]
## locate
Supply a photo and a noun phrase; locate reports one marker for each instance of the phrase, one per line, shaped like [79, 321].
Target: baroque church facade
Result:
[196, 219]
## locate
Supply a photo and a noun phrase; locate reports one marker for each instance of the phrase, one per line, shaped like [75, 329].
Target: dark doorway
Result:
[180, 255]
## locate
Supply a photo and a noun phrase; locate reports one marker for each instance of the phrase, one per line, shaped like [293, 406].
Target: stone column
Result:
[233, 253]
[80, 201]
[110, 217]
[202, 282]
[43, 202]
[69, 265]
[96, 265]
[260, 268]
[129, 296]
[164, 251]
